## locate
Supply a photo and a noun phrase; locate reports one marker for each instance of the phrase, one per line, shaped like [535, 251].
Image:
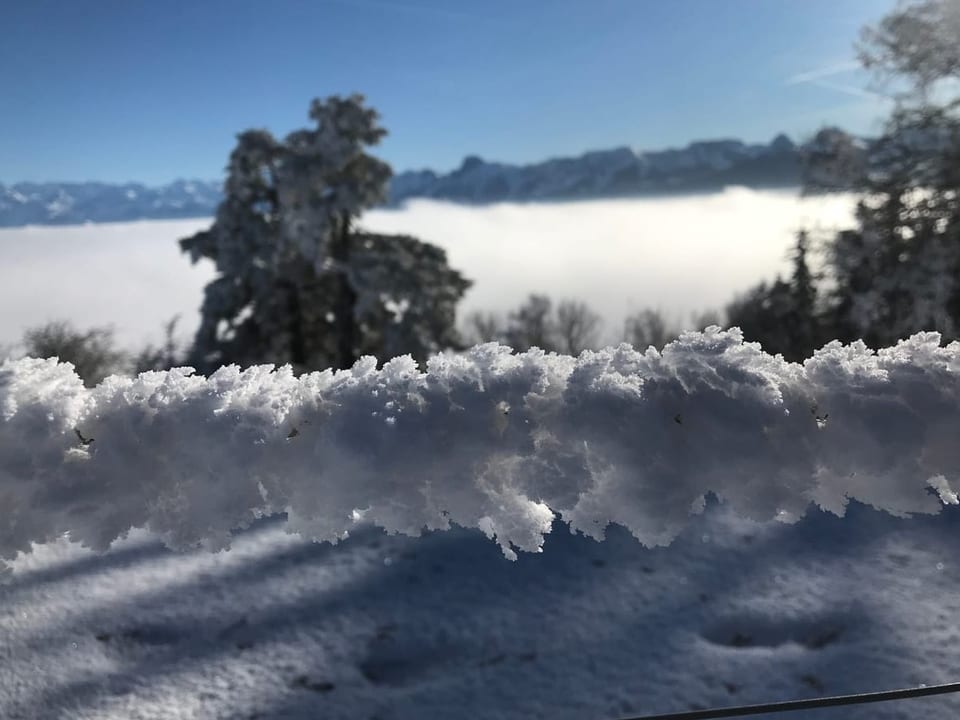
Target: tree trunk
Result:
[345, 298]
[298, 349]
[295, 352]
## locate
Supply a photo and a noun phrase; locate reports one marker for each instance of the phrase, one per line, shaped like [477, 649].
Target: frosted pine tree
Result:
[899, 271]
[297, 282]
[407, 296]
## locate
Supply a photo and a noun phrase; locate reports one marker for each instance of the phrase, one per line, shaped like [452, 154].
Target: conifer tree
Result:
[784, 317]
[297, 282]
[898, 272]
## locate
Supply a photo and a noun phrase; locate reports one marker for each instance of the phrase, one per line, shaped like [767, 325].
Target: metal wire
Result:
[809, 704]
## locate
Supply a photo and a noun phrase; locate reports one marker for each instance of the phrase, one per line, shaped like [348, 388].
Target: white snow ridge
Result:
[488, 439]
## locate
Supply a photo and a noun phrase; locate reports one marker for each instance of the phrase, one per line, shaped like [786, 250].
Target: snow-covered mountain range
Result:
[701, 166]
[706, 165]
[75, 203]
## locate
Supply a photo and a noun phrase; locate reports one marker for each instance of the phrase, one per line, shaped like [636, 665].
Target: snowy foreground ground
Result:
[444, 627]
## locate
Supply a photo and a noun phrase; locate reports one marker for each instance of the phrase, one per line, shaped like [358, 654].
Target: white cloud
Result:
[824, 71]
[821, 77]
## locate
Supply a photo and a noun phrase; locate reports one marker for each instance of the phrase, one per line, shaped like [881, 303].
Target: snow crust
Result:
[486, 439]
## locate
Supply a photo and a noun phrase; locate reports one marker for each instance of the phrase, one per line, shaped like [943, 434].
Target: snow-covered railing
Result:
[486, 439]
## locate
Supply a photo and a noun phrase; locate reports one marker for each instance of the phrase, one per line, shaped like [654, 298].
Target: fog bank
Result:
[682, 255]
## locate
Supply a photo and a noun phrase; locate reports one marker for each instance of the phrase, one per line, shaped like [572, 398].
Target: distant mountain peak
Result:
[75, 203]
[471, 162]
[702, 165]
[782, 143]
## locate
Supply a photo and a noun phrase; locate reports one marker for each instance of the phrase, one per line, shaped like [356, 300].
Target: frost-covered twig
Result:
[485, 439]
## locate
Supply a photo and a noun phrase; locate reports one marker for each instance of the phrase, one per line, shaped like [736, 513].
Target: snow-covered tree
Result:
[93, 353]
[899, 271]
[161, 357]
[531, 325]
[482, 327]
[570, 327]
[785, 316]
[407, 296]
[297, 282]
[646, 328]
[577, 327]
[705, 318]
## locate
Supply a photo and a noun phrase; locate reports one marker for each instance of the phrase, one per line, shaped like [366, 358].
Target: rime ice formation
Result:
[488, 439]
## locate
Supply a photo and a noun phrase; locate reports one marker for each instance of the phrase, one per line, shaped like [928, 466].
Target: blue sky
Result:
[119, 90]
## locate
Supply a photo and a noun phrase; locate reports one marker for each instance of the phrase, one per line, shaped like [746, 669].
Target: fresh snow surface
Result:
[681, 254]
[443, 627]
[487, 439]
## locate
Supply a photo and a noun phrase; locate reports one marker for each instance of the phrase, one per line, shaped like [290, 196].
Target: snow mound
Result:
[487, 439]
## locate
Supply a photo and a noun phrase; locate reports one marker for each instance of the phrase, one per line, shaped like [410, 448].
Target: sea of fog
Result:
[682, 255]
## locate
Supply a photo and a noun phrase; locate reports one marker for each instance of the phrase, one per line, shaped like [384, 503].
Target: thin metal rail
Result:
[809, 704]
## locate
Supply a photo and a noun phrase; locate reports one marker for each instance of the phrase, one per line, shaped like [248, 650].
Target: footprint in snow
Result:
[814, 633]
